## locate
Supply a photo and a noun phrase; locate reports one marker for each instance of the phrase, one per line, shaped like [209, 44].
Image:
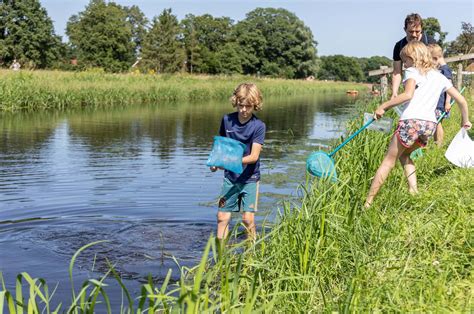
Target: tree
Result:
[340, 68]
[228, 59]
[139, 24]
[204, 36]
[163, 50]
[275, 42]
[464, 43]
[373, 63]
[27, 34]
[191, 44]
[102, 36]
[432, 28]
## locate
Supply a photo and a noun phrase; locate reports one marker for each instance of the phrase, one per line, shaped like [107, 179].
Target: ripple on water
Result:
[135, 248]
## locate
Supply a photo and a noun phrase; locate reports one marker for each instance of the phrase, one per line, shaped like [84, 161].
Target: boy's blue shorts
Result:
[238, 196]
[439, 113]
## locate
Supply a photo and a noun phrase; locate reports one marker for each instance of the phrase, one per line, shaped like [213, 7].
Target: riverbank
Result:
[35, 90]
[328, 253]
[406, 253]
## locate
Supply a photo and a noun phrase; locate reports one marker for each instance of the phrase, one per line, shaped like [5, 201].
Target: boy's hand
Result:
[447, 107]
[467, 125]
[379, 113]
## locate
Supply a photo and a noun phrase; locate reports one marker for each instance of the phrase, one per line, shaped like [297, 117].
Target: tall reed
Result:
[53, 89]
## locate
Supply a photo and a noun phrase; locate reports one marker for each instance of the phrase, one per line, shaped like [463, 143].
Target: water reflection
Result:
[135, 176]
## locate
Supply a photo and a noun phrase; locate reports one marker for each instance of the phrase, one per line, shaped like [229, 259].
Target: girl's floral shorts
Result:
[413, 131]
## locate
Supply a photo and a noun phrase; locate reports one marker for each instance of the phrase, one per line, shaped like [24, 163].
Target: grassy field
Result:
[32, 90]
[404, 254]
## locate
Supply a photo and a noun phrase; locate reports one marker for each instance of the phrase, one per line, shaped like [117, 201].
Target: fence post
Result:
[383, 83]
[459, 77]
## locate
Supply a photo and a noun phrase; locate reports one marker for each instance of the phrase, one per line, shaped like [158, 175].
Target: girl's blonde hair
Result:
[419, 53]
[248, 93]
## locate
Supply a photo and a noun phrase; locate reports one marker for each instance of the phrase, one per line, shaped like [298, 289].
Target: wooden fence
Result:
[384, 70]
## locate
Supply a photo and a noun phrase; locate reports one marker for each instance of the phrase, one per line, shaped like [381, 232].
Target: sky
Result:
[352, 28]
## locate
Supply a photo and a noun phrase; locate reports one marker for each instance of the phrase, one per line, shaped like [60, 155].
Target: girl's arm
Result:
[407, 95]
[453, 92]
[254, 154]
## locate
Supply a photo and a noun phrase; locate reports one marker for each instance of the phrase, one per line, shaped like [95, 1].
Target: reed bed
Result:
[329, 254]
[33, 90]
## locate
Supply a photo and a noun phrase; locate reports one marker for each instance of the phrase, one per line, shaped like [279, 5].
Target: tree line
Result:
[268, 42]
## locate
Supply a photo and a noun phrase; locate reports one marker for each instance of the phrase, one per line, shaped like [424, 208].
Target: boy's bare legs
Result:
[439, 135]
[248, 218]
[409, 169]
[395, 149]
[223, 220]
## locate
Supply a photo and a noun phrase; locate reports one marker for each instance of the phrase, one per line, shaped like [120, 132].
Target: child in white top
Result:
[423, 86]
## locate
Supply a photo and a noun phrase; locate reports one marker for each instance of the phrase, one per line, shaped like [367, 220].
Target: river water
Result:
[136, 177]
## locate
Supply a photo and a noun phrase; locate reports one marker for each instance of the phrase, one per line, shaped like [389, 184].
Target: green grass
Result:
[35, 90]
[329, 254]
[404, 254]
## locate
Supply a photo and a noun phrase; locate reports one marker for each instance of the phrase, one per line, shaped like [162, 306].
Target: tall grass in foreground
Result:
[405, 254]
[53, 89]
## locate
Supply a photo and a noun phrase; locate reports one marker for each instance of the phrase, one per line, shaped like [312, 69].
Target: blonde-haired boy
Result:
[444, 100]
[240, 192]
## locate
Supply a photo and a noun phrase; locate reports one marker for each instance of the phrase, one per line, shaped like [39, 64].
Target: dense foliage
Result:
[464, 43]
[27, 34]
[162, 50]
[432, 27]
[373, 63]
[267, 42]
[340, 68]
[102, 36]
[276, 43]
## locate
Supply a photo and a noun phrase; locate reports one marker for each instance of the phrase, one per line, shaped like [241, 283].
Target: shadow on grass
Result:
[443, 169]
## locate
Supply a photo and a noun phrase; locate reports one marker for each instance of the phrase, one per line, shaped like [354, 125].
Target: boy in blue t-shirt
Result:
[240, 192]
[444, 100]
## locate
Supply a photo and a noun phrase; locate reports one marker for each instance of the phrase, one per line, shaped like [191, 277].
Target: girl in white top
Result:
[423, 86]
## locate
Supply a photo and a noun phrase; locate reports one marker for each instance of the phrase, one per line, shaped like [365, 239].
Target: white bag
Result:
[461, 150]
[400, 108]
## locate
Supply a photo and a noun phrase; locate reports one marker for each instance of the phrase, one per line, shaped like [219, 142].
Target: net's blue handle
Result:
[351, 137]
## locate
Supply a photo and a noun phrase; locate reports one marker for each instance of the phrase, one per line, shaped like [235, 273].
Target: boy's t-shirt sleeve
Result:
[446, 71]
[259, 135]
[222, 128]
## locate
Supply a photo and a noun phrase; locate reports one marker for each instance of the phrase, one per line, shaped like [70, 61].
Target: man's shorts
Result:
[439, 113]
[238, 196]
[413, 131]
